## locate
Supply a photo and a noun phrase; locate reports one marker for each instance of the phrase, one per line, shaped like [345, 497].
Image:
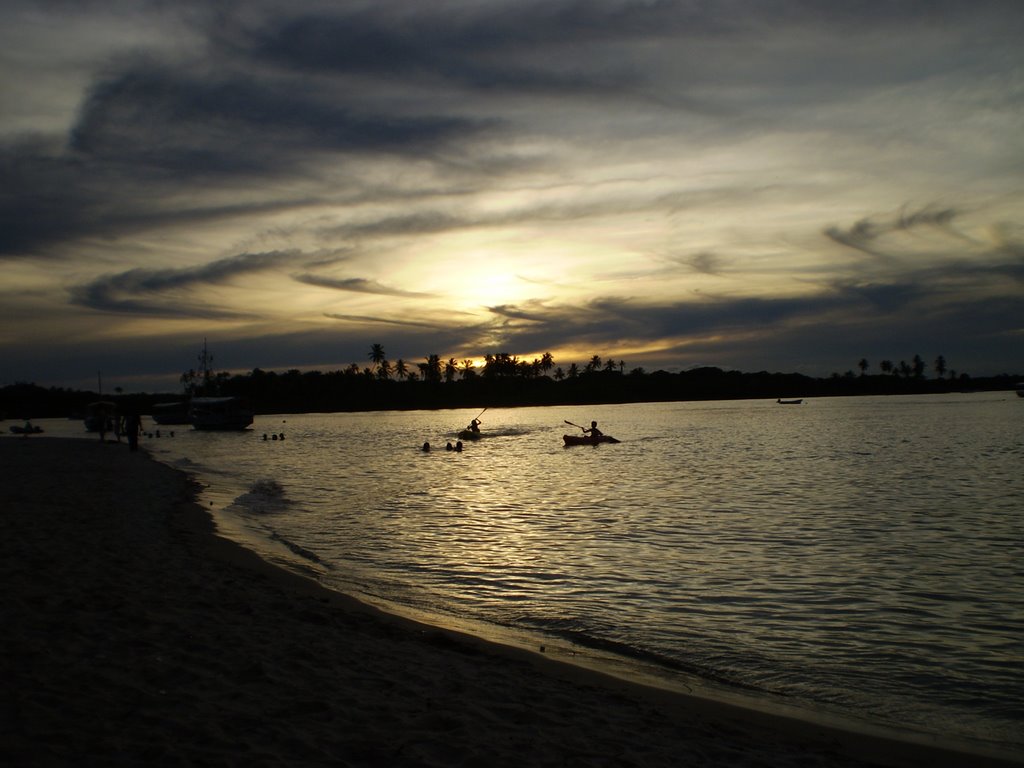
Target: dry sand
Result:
[133, 635]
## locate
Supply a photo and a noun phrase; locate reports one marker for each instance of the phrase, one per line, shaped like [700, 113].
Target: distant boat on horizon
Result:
[789, 402]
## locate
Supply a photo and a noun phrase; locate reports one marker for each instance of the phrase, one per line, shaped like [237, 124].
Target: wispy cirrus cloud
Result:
[157, 292]
[355, 285]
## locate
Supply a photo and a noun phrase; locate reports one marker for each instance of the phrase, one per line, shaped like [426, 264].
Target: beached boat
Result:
[587, 439]
[171, 413]
[27, 429]
[789, 402]
[220, 413]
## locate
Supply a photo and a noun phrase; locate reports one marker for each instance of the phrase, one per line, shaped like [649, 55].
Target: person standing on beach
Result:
[133, 426]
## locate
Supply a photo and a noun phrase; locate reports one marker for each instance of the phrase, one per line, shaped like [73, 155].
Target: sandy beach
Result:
[133, 634]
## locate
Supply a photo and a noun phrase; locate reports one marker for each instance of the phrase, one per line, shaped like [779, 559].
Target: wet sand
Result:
[133, 634]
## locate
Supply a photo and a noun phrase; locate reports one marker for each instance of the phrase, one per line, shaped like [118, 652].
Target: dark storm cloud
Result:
[355, 284]
[143, 291]
[222, 123]
[148, 130]
[482, 47]
[541, 46]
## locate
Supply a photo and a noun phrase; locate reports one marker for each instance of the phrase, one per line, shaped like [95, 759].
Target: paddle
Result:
[477, 419]
[574, 425]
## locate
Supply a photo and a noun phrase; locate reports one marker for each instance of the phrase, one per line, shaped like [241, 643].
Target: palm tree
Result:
[559, 373]
[574, 371]
[384, 370]
[611, 366]
[432, 368]
[467, 369]
[547, 362]
[594, 364]
[886, 366]
[401, 369]
[918, 367]
[863, 365]
[450, 369]
[377, 355]
[940, 366]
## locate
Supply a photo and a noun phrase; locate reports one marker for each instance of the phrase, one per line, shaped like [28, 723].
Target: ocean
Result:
[855, 560]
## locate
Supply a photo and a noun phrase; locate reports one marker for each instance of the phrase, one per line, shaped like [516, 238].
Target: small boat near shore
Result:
[171, 413]
[225, 414]
[587, 440]
[789, 402]
[27, 429]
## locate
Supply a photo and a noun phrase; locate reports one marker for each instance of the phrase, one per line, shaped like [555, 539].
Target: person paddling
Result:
[594, 431]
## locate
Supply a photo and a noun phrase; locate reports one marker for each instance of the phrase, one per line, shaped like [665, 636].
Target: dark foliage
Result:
[318, 392]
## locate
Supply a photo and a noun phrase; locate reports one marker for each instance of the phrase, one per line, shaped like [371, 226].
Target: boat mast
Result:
[205, 367]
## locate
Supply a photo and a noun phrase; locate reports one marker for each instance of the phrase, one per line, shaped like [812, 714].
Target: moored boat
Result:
[220, 413]
[171, 413]
[587, 439]
[789, 402]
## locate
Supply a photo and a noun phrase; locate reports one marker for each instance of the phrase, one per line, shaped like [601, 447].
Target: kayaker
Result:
[594, 431]
[474, 426]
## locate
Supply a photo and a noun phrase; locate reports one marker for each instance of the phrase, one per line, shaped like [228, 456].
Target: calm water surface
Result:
[858, 556]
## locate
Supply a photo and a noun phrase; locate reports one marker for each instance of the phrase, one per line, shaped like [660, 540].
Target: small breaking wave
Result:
[302, 552]
[263, 497]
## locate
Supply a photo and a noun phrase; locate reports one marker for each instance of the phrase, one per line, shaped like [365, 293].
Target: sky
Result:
[778, 185]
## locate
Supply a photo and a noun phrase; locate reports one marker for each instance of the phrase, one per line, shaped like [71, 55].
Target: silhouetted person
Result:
[133, 427]
[594, 431]
[426, 448]
[474, 426]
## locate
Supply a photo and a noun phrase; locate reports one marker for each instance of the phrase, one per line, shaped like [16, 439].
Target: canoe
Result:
[587, 439]
[468, 434]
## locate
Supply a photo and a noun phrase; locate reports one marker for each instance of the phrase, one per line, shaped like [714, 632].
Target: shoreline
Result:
[137, 632]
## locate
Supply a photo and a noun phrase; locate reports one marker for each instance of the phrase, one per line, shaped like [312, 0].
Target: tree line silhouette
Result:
[503, 380]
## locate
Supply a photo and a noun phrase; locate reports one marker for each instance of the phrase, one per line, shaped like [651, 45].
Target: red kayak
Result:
[587, 439]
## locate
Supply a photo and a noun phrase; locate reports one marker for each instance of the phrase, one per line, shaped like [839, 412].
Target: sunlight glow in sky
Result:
[785, 185]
